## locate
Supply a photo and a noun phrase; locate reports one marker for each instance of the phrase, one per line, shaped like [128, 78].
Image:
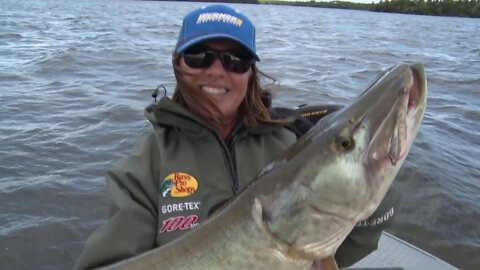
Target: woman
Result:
[208, 142]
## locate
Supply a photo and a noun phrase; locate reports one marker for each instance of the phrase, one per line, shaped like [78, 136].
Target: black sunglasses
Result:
[233, 61]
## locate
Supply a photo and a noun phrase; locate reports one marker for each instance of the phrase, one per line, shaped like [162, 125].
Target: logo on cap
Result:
[219, 17]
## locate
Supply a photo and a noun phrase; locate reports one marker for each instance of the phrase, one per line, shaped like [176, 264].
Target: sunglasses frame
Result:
[231, 60]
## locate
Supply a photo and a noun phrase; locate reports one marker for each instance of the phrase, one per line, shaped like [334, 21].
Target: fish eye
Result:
[345, 143]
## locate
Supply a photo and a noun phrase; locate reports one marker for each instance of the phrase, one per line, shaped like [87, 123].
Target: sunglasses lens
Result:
[199, 60]
[236, 62]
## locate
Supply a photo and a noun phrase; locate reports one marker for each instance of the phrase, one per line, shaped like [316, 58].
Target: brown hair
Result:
[253, 109]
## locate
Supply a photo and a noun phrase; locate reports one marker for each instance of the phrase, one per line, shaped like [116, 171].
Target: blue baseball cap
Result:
[216, 21]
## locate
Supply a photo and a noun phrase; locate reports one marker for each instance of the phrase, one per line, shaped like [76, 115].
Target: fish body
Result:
[302, 206]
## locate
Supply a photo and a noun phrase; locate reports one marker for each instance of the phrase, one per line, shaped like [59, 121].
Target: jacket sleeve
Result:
[132, 223]
[364, 237]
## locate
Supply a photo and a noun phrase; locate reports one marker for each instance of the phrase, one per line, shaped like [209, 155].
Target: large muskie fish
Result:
[302, 206]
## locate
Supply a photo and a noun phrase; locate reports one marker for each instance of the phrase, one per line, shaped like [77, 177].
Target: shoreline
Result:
[442, 8]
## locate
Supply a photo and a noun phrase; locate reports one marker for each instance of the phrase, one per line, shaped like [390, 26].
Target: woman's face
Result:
[225, 88]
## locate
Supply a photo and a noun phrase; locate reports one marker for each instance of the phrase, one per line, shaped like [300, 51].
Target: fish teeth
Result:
[214, 90]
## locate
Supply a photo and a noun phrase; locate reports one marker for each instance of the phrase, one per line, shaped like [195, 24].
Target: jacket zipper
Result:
[233, 161]
[230, 166]
[229, 153]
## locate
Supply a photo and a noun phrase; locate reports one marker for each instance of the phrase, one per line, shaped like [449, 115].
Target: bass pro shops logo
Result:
[178, 185]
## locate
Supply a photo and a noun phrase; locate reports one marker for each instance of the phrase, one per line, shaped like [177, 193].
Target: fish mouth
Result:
[414, 91]
[395, 131]
[409, 102]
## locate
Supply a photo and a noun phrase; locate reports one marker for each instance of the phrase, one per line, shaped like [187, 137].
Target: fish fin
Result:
[281, 249]
[328, 263]
[324, 248]
[270, 167]
[257, 213]
[277, 244]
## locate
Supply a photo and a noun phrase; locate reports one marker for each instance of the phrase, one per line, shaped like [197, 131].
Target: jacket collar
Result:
[169, 113]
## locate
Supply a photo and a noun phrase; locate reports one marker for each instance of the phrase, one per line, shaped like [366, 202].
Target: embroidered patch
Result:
[178, 185]
[179, 223]
[219, 17]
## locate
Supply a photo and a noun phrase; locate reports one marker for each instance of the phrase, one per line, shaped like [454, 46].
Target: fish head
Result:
[367, 143]
[347, 161]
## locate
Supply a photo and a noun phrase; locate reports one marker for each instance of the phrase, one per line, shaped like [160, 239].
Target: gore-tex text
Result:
[178, 207]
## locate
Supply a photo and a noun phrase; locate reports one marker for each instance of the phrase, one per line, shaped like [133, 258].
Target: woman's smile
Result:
[214, 90]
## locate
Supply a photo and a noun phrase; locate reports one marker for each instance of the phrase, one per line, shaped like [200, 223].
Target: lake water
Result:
[76, 75]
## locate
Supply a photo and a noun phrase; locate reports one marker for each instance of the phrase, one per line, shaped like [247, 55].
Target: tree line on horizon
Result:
[454, 8]
[457, 8]
[462, 8]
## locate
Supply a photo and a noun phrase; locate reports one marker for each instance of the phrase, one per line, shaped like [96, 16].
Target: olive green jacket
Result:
[181, 174]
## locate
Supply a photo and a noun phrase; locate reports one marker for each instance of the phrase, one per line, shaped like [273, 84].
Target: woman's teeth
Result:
[213, 90]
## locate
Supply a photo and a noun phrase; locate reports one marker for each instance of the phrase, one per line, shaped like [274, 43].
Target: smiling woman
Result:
[214, 63]
[208, 142]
